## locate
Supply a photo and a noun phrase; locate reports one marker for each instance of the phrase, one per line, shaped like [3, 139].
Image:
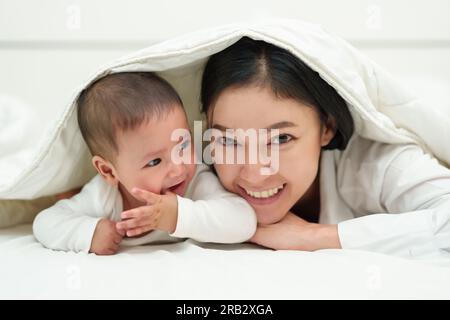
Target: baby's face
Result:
[145, 156]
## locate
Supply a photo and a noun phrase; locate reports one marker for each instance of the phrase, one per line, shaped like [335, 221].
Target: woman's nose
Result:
[252, 174]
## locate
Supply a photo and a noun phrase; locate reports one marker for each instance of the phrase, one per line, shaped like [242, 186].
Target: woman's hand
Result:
[294, 233]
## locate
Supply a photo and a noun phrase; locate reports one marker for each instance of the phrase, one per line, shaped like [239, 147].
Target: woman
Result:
[333, 188]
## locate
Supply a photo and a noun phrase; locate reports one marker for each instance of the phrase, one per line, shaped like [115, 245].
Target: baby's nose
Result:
[177, 170]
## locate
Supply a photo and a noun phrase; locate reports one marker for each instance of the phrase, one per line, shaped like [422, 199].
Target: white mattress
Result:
[189, 270]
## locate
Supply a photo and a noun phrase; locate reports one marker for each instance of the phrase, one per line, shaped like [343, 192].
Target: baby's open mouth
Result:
[177, 187]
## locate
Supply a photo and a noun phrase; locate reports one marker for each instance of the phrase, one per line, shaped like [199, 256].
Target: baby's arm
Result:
[214, 214]
[73, 224]
[211, 215]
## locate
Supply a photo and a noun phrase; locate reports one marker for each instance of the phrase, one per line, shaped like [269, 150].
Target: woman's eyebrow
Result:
[282, 124]
[278, 125]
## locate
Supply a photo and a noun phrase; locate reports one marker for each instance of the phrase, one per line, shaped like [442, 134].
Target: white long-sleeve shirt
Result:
[392, 199]
[207, 213]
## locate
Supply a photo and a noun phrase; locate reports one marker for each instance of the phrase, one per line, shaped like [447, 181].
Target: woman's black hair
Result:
[252, 62]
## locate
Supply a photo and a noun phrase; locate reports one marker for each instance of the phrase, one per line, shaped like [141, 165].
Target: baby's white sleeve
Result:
[213, 214]
[69, 225]
[415, 193]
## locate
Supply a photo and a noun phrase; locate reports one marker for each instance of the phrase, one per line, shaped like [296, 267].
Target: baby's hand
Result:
[160, 212]
[106, 238]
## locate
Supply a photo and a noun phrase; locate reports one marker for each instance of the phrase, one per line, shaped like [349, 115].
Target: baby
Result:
[140, 195]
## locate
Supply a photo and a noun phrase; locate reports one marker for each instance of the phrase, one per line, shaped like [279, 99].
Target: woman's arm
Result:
[413, 193]
[413, 189]
[294, 233]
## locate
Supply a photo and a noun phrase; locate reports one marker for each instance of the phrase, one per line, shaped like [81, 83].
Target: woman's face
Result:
[299, 138]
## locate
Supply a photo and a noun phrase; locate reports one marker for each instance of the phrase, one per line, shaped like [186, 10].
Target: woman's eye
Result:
[154, 162]
[227, 141]
[281, 139]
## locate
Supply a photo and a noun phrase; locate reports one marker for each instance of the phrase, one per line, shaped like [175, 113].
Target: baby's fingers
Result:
[118, 237]
[113, 249]
[138, 231]
[136, 212]
[137, 222]
[128, 224]
[120, 231]
[109, 250]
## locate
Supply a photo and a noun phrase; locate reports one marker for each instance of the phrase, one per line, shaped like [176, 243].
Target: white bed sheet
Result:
[190, 270]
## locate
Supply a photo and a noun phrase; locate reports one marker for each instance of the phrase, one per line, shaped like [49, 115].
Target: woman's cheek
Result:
[226, 175]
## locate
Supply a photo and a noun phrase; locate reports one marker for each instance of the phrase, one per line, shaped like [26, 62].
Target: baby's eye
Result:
[225, 141]
[281, 139]
[154, 162]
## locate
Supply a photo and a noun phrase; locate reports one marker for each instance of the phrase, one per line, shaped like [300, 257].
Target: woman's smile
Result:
[262, 196]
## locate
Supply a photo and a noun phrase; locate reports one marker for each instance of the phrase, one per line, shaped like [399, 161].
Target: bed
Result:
[190, 270]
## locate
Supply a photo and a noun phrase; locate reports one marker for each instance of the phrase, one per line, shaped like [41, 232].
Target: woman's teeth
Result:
[264, 194]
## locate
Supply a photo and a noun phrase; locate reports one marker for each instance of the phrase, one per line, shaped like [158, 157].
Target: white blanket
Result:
[189, 270]
[381, 108]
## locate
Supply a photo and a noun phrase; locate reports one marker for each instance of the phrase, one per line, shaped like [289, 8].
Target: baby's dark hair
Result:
[251, 62]
[121, 102]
